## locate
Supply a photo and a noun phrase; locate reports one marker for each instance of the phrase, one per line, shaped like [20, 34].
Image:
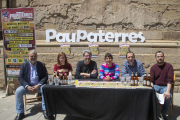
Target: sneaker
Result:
[163, 117]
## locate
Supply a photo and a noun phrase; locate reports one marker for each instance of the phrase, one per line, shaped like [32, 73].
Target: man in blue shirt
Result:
[33, 75]
[132, 65]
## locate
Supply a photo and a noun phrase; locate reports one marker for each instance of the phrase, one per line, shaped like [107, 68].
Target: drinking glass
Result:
[50, 78]
[128, 81]
[69, 79]
[141, 81]
[126, 75]
[122, 81]
[56, 81]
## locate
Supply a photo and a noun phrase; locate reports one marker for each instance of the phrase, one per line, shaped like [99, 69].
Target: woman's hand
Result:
[107, 78]
[70, 73]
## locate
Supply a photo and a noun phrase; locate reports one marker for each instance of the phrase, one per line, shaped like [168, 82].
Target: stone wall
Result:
[158, 20]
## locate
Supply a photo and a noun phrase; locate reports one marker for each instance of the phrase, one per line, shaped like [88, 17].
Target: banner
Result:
[123, 49]
[94, 48]
[18, 37]
[66, 49]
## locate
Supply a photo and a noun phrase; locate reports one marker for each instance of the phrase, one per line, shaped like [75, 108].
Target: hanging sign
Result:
[123, 49]
[18, 37]
[66, 49]
[94, 48]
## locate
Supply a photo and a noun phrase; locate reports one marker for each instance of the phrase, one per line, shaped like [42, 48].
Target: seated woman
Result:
[109, 70]
[62, 64]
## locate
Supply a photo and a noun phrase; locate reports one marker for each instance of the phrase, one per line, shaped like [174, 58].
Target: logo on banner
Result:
[94, 37]
[5, 17]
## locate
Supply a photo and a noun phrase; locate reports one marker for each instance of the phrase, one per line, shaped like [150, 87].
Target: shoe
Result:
[19, 116]
[48, 117]
[163, 117]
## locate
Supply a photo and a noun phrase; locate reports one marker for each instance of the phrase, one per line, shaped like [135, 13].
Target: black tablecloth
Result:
[101, 103]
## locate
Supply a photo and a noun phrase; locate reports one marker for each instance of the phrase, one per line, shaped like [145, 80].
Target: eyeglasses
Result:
[86, 56]
[61, 58]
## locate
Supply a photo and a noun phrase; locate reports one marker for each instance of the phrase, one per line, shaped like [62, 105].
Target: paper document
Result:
[160, 98]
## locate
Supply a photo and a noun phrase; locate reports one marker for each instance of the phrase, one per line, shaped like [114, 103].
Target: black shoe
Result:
[163, 117]
[48, 117]
[19, 116]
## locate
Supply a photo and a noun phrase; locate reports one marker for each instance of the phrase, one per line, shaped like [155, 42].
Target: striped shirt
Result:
[112, 71]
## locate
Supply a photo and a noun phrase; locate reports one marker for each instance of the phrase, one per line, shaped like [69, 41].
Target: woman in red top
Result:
[62, 64]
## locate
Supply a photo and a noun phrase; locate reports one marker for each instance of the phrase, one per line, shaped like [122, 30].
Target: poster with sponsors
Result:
[97, 84]
[123, 49]
[84, 84]
[66, 49]
[18, 37]
[94, 48]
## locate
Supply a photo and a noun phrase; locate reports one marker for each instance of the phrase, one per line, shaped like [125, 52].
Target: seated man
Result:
[33, 75]
[86, 68]
[162, 79]
[132, 65]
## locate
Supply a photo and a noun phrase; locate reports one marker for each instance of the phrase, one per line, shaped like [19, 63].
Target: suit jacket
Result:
[24, 76]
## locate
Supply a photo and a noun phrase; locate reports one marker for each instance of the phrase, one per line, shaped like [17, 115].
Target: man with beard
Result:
[132, 65]
[86, 68]
[162, 79]
[33, 75]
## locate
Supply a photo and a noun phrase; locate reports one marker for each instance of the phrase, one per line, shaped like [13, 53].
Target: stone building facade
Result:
[159, 20]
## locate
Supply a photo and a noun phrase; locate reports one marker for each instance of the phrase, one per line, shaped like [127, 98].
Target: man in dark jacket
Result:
[86, 68]
[33, 75]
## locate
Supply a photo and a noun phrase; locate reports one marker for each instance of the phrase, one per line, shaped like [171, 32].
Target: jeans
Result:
[20, 91]
[162, 89]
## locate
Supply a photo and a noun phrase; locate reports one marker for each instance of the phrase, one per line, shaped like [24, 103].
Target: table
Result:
[101, 103]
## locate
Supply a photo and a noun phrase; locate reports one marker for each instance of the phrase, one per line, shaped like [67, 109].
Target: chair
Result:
[31, 100]
[171, 104]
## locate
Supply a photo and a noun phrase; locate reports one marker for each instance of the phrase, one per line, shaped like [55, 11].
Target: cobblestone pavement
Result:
[34, 111]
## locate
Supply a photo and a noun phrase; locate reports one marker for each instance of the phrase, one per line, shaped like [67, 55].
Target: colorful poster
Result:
[106, 84]
[84, 84]
[94, 48]
[18, 37]
[97, 84]
[66, 49]
[109, 84]
[123, 49]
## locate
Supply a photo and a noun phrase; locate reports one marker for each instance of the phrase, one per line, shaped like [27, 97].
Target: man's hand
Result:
[36, 87]
[93, 72]
[29, 88]
[86, 75]
[167, 95]
[107, 78]
[81, 73]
